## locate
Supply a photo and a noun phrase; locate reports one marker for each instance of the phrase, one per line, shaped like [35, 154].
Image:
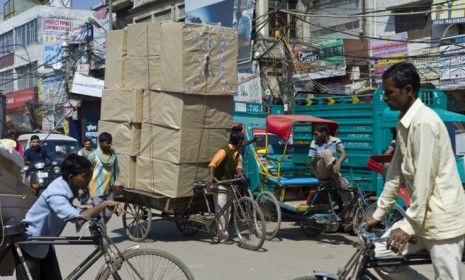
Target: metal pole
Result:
[110, 11]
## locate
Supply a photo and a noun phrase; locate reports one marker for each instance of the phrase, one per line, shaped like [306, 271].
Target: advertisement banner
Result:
[228, 13]
[426, 60]
[87, 85]
[448, 12]
[99, 34]
[452, 65]
[323, 59]
[53, 89]
[52, 53]
[388, 52]
[54, 25]
[18, 99]
[249, 89]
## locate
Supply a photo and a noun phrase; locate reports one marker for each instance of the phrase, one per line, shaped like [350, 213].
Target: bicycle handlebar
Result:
[229, 182]
[376, 235]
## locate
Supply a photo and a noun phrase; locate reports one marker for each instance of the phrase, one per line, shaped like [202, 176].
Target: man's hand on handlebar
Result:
[397, 241]
[212, 180]
[370, 222]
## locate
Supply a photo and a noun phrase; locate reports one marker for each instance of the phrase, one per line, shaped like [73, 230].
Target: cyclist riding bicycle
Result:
[425, 162]
[50, 213]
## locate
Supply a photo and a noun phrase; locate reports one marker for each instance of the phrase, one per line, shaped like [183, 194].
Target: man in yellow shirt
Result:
[424, 162]
[226, 163]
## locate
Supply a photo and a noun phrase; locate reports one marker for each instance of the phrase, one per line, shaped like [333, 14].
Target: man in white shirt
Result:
[424, 162]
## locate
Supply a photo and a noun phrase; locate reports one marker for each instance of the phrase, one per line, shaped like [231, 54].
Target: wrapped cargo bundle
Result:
[166, 134]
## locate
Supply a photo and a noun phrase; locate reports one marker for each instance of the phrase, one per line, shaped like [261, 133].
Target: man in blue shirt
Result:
[35, 152]
[52, 210]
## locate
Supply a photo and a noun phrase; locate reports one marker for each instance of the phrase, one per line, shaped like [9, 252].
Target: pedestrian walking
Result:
[105, 171]
[87, 149]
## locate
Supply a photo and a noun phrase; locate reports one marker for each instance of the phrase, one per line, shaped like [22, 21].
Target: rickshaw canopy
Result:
[282, 124]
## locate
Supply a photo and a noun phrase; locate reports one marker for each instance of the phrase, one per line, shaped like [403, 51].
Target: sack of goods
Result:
[168, 102]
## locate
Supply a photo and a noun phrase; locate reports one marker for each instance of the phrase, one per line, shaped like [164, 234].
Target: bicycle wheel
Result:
[310, 227]
[360, 213]
[185, 225]
[137, 220]
[271, 212]
[147, 264]
[249, 224]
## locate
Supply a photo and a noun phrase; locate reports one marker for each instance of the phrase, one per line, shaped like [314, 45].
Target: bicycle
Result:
[326, 213]
[248, 219]
[132, 263]
[364, 258]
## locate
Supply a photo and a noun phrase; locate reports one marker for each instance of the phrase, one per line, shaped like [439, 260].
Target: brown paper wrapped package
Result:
[186, 145]
[115, 62]
[126, 136]
[170, 179]
[175, 110]
[127, 175]
[120, 105]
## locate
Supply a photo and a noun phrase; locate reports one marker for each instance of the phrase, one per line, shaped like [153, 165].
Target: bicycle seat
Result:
[200, 186]
[13, 227]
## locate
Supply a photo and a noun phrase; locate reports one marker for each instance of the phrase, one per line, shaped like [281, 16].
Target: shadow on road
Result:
[296, 234]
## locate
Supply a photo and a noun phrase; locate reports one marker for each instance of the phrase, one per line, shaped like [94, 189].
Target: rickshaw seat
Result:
[286, 181]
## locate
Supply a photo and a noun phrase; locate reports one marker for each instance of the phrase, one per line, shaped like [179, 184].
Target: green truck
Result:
[365, 126]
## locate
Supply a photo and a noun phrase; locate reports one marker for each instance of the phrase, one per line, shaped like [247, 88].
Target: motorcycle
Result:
[40, 174]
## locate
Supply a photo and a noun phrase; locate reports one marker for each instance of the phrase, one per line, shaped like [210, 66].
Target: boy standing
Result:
[105, 171]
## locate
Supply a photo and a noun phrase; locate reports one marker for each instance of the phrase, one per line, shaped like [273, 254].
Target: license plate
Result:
[42, 174]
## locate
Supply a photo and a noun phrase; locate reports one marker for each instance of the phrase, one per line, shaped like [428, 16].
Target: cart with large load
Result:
[168, 103]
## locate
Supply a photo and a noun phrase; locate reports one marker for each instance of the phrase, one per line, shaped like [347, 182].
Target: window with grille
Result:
[6, 81]
[26, 34]
[6, 43]
[26, 76]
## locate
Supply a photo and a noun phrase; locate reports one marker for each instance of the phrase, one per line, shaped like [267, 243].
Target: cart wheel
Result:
[310, 227]
[249, 224]
[185, 225]
[137, 220]
[271, 212]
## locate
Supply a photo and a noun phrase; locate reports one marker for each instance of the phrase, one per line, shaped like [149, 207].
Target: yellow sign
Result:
[448, 12]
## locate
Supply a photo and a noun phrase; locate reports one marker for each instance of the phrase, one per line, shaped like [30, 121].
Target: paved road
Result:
[291, 255]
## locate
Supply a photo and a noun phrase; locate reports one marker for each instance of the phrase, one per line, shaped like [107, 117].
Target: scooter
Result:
[40, 174]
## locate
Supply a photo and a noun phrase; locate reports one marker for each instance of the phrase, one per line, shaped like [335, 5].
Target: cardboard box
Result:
[121, 105]
[185, 145]
[198, 59]
[127, 175]
[126, 136]
[170, 179]
[142, 72]
[115, 73]
[144, 39]
[176, 110]
[115, 59]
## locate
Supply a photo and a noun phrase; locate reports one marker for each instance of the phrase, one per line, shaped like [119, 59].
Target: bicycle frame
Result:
[101, 241]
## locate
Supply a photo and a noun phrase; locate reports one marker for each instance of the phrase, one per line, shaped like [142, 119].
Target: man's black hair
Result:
[34, 137]
[105, 137]
[87, 140]
[73, 165]
[322, 128]
[403, 74]
[235, 137]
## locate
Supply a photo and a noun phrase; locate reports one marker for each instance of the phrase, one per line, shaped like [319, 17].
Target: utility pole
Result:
[110, 11]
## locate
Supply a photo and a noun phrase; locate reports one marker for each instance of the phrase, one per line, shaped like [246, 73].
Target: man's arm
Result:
[239, 167]
[342, 157]
[217, 160]
[388, 196]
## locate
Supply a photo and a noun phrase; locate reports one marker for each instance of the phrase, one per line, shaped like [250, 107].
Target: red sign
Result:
[7, 60]
[19, 98]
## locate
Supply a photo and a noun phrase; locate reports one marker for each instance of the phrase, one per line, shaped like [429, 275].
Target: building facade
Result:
[31, 76]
